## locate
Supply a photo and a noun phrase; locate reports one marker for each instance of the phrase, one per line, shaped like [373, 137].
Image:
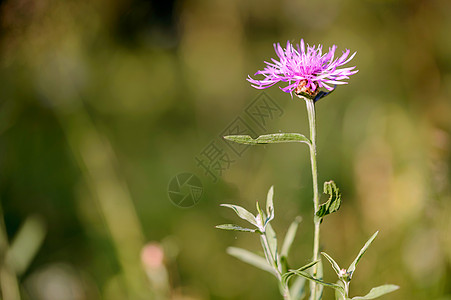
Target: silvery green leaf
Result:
[287, 275]
[319, 274]
[269, 138]
[272, 241]
[338, 295]
[260, 218]
[234, 227]
[351, 268]
[289, 237]
[259, 210]
[297, 289]
[378, 291]
[242, 213]
[323, 283]
[334, 264]
[270, 205]
[250, 258]
[319, 269]
[334, 201]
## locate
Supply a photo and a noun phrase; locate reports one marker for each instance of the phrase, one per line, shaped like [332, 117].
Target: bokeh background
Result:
[103, 102]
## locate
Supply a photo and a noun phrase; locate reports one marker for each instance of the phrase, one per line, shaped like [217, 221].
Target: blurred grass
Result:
[103, 102]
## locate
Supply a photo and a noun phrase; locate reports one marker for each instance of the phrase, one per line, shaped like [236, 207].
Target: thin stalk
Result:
[346, 284]
[312, 125]
[270, 258]
[269, 255]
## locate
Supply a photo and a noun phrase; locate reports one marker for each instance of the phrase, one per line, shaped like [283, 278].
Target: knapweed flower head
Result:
[306, 70]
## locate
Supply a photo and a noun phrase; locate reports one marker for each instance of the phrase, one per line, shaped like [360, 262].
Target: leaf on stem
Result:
[334, 264]
[260, 218]
[287, 275]
[234, 227]
[338, 295]
[378, 291]
[351, 268]
[272, 241]
[242, 213]
[289, 237]
[319, 275]
[270, 205]
[334, 201]
[323, 283]
[273, 138]
[250, 258]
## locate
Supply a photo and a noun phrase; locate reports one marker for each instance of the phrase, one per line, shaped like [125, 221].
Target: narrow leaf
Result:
[307, 266]
[378, 291]
[287, 275]
[289, 237]
[234, 227]
[338, 295]
[311, 278]
[270, 204]
[272, 240]
[260, 218]
[319, 275]
[250, 258]
[351, 268]
[269, 138]
[242, 213]
[241, 139]
[334, 264]
[334, 201]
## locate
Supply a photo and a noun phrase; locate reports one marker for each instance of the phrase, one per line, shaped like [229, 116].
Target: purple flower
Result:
[305, 70]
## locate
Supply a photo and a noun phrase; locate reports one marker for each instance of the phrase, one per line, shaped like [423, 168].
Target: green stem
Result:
[269, 255]
[346, 284]
[272, 261]
[311, 117]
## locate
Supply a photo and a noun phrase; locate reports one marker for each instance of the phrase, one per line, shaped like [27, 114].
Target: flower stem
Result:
[311, 117]
[346, 284]
[269, 256]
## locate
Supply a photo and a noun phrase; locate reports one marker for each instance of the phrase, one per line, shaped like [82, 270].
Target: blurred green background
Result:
[103, 102]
